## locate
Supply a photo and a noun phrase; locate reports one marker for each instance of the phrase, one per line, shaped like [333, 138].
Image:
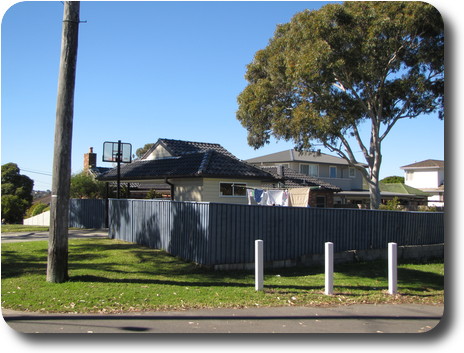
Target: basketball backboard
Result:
[112, 153]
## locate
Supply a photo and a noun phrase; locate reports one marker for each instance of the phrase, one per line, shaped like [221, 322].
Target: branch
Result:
[360, 143]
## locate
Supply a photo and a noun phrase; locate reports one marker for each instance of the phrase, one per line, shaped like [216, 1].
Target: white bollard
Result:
[259, 273]
[392, 268]
[329, 268]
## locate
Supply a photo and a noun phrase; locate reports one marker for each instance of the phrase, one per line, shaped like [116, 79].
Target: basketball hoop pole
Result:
[118, 158]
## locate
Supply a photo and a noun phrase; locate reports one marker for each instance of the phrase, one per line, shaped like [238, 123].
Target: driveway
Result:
[73, 234]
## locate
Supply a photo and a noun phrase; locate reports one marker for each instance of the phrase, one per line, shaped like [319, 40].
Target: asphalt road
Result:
[34, 236]
[365, 318]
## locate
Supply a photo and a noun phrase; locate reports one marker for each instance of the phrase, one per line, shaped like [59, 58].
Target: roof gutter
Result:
[172, 188]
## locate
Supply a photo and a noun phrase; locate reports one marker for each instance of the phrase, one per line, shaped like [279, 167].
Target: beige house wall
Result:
[343, 180]
[188, 190]
[211, 191]
[158, 153]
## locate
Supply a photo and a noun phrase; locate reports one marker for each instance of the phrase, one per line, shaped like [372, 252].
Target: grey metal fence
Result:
[87, 213]
[212, 234]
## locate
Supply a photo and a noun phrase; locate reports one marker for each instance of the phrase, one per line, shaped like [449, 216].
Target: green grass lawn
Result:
[9, 228]
[113, 276]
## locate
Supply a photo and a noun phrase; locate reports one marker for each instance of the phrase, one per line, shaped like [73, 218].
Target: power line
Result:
[35, 172]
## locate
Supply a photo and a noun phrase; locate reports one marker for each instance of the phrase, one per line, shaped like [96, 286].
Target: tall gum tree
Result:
[326, 72]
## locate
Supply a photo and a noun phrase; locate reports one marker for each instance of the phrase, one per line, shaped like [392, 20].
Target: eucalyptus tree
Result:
[328, 71]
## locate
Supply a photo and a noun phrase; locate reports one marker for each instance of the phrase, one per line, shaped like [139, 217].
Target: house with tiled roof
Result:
[205, 172]
[319, 192]
[427, 176]
[331, 169]
[337, 172]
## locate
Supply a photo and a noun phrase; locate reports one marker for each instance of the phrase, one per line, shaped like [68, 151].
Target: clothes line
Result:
[295, 197]
[267, 197]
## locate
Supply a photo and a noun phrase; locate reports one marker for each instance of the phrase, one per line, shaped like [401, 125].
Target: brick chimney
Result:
[90, 160]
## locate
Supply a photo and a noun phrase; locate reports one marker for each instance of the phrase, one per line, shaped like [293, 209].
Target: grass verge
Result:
[113, 276]
[10, 228]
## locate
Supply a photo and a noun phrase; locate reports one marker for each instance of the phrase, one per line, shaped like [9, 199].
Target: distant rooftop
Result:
[179, 148]
[297, 156]
[293, 179]
[428, 163]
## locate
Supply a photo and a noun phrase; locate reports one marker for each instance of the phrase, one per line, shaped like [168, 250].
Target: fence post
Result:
[328, 268]
[392, 268]
[259, 278]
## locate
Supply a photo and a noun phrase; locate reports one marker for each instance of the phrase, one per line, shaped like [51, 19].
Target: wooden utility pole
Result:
[57, 266]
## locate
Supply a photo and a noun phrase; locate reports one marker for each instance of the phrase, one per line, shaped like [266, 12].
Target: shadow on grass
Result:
[101, 261]
[16, 264]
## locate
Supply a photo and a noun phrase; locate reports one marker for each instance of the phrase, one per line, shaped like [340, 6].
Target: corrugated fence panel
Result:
[87, 213]
[211, 234]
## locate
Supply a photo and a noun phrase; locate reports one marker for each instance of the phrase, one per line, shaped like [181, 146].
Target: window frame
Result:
[331, 167]
[352, 170]
[310, 166]
[232, 184]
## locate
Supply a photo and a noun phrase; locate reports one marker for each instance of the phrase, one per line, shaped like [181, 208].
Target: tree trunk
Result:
[57, 265]
[374, 182]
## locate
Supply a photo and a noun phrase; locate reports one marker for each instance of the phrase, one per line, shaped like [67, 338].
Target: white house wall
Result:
[424, 179]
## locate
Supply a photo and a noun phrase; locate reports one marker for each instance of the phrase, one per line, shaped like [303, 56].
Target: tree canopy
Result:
[328, 71]
[16, 193]
[84, 186]
[394, 179]
[142, 150]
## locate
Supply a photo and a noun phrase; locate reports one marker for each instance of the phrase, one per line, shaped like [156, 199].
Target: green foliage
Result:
[393, 180]
[153, 194]
[326, 72]
[84, 186]
[142, 150]
[16, 193]
[36, 209]
[391, 205]
[427, 209]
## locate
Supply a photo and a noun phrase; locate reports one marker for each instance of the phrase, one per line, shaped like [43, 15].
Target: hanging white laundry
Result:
[268, 197]
[277, 198]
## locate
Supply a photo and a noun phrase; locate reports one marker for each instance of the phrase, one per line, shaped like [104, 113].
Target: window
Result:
[232, 189]
[352, 172]
[332, 172]
[320, 201]
[409, 176]
[309, 169]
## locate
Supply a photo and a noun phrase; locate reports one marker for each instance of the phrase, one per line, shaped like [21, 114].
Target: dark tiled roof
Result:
[209, 163]
[96, 171]
[293, 179]
[179, 148]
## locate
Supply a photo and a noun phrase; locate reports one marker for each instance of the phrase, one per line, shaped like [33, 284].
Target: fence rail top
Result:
[264, 206]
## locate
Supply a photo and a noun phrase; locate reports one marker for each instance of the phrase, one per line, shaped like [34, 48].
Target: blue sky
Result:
[149, 70]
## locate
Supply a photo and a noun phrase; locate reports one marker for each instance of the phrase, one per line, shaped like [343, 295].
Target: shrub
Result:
[36, 209]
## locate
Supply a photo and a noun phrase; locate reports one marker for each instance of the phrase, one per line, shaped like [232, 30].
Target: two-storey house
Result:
[331, 169]
[428, 176]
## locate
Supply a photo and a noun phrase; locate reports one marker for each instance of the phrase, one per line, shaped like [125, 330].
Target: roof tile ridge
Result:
[205, 161]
